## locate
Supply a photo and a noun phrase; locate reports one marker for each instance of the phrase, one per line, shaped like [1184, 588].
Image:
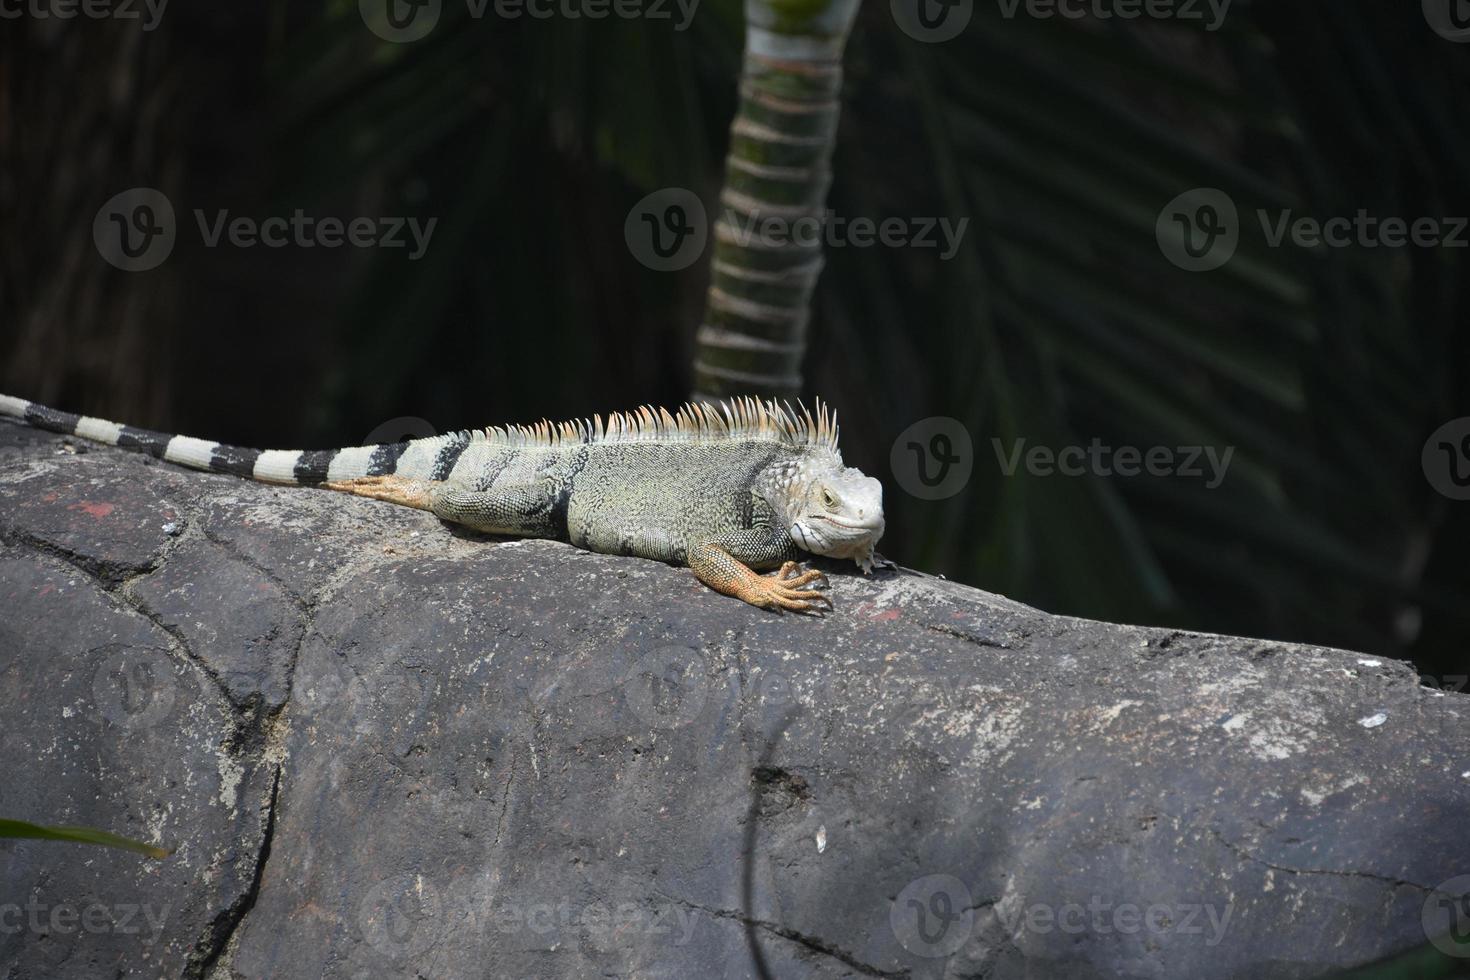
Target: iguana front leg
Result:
[724, 565]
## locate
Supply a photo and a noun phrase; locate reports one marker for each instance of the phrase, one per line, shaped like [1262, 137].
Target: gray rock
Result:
[233, 616]
[386, 749]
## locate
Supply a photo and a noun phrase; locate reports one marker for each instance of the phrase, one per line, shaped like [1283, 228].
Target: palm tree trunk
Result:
[768, 235]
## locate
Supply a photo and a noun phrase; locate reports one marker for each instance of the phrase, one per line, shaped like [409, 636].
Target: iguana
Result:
[726, 490]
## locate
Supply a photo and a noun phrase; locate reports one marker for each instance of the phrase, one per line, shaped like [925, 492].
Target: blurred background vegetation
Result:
[1059, 320]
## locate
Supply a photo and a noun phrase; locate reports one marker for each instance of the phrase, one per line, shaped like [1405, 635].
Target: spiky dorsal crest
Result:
[739, 419]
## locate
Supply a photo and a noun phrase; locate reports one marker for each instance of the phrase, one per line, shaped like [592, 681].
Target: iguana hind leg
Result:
[394, 489]
[525, 510]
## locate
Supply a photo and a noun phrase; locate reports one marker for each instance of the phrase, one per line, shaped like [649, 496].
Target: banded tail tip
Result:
[432, 458]
[187, 451]
[13, 407]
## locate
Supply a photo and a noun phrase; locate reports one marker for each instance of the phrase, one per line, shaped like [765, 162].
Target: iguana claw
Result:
[783, 589]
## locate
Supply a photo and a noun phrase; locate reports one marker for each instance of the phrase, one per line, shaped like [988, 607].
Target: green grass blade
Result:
[80, 835]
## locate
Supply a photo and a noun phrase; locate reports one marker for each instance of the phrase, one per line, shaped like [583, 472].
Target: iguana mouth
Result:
[850, 527]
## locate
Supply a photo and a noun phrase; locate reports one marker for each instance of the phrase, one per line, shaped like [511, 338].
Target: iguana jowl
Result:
[725, 490]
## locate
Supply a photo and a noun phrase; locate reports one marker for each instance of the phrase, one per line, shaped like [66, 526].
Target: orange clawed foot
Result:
[783, 589]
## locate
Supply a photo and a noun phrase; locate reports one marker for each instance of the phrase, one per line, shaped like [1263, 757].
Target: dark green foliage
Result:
[1426, 962]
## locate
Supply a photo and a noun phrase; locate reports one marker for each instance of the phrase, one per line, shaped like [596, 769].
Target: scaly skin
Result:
[726, 492]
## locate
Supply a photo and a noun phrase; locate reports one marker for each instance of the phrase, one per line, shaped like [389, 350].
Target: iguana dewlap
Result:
[726, 490]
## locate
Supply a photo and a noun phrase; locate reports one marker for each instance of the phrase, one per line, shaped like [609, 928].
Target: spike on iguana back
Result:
[738, 419]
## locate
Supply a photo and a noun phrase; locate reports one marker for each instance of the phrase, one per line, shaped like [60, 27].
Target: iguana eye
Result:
[829, 500]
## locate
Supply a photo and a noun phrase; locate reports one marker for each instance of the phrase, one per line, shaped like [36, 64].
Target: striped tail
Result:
[431, 458]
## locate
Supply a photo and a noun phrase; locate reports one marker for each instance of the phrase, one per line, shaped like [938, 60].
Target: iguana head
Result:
[835, 511]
